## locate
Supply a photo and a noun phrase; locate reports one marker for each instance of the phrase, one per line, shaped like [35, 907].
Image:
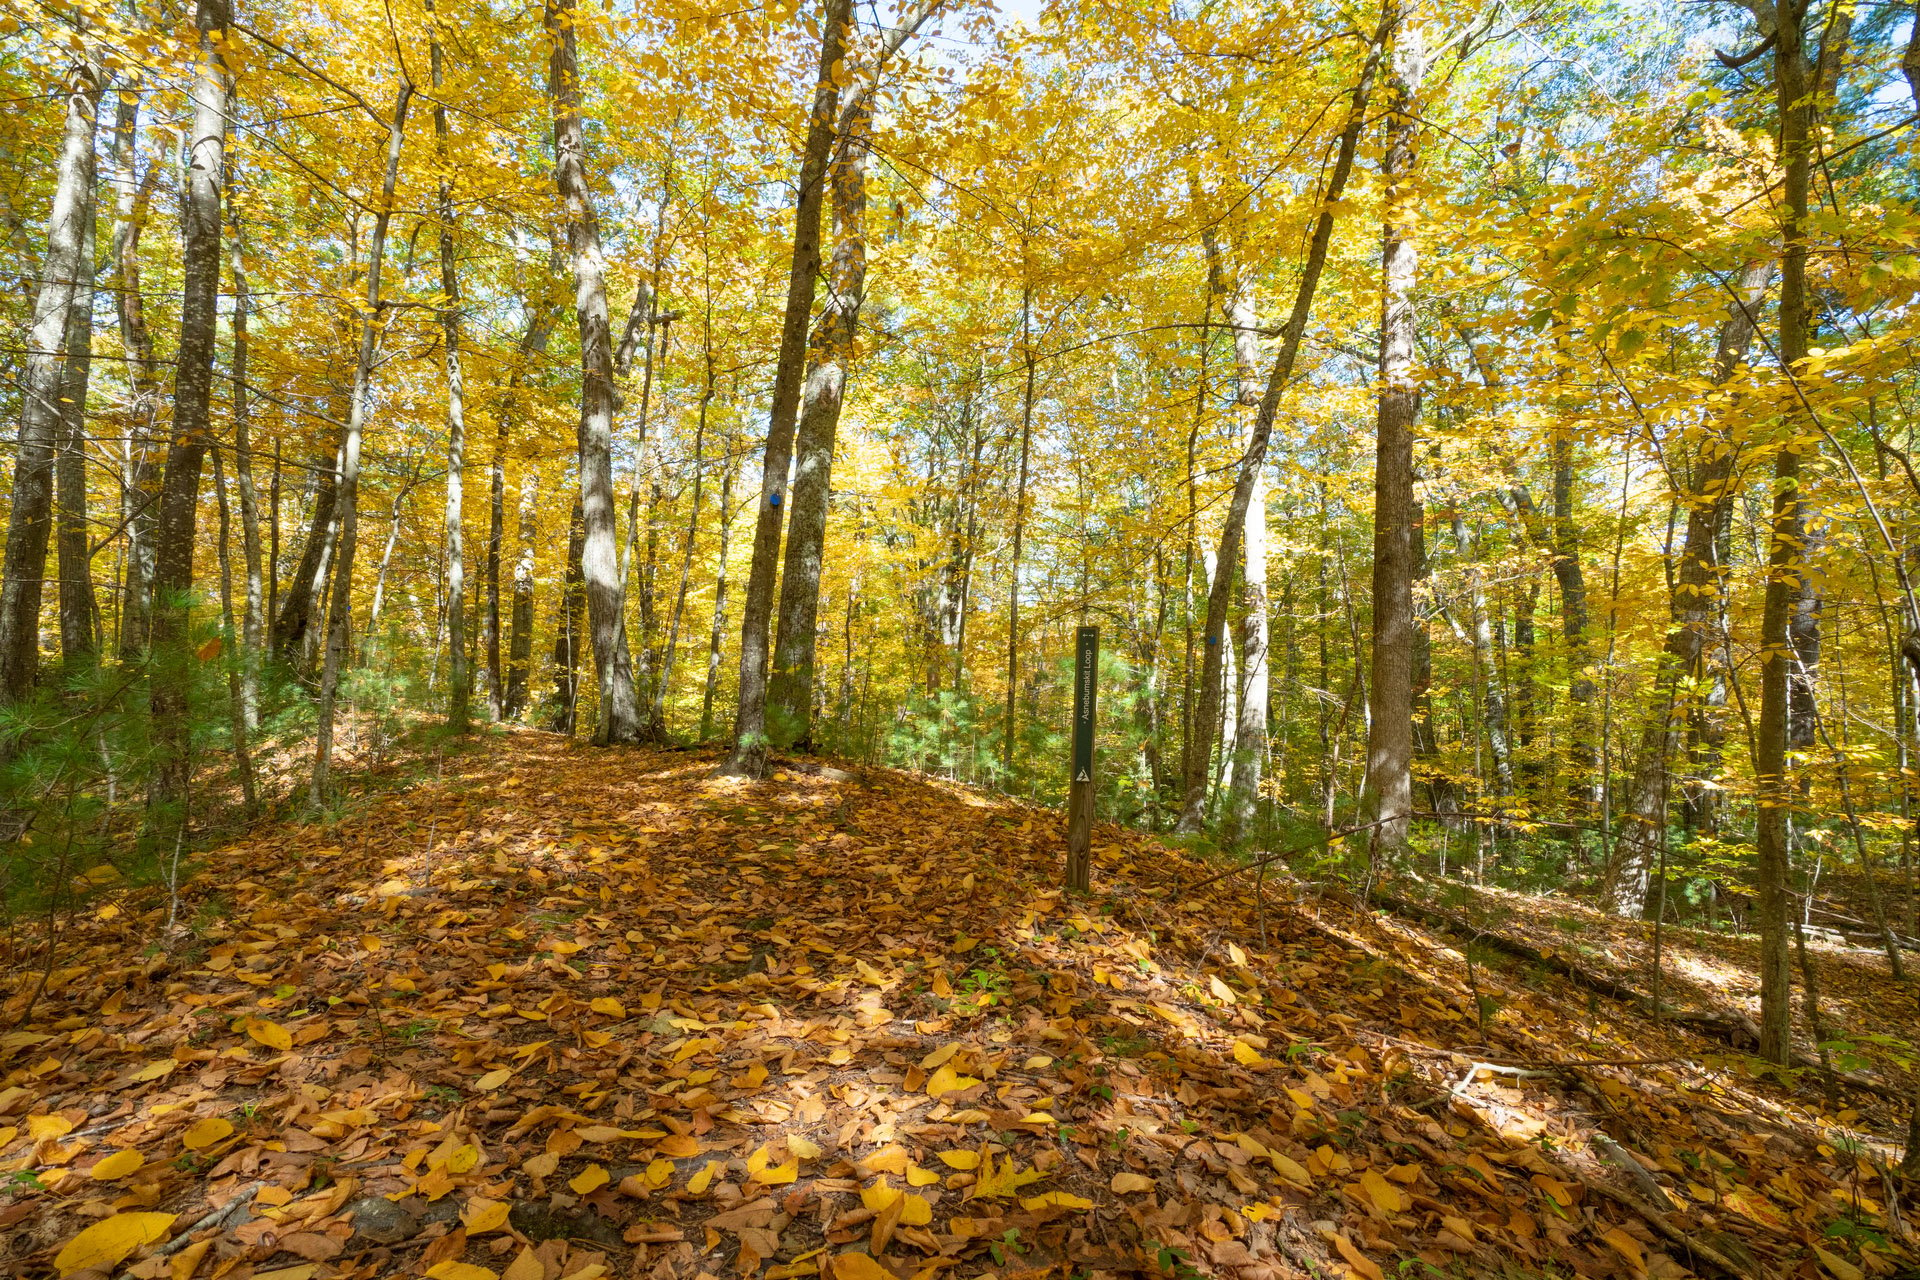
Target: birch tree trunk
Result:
[619, 709]
[67, 264]
[236, 696]
[191, 433]
[140, 476]
[340, 603]
[749, 757]
[1219, 594]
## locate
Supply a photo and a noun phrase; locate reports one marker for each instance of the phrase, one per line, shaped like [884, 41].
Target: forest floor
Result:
[552, 1012]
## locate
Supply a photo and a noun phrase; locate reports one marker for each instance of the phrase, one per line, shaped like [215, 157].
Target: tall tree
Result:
[619, 720]
[191, 432]
[1390, 740]
[791, 692]
[340, 598]
[460, 661]
[750, 742]
[1254, 456]
[66, 272]
[1695, 606]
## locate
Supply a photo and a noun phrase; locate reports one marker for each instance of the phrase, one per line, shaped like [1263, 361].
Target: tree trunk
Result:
[78, 609]
[253, 619]
[1390, 744]
[294, 623]
[749, 757]
[460, 673]
[1697, 600]
[190, 432]
[140, 509]
[716, 643]
[1207, 714]
[664, 689]
[520, 646]
[791, 691]
[68, 264]
[236, 696]
[1020, 530]
[790, 697]
[568, 629]
[619, 709]
[340, 602]
[1232, 299]
[1785, 565]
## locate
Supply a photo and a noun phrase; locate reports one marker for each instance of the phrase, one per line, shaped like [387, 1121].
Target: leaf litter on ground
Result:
[566, 1013]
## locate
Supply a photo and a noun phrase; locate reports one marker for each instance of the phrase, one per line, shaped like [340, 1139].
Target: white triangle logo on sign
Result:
[1082, 777]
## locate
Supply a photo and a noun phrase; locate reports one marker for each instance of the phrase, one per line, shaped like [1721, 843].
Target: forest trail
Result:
[558, 1012]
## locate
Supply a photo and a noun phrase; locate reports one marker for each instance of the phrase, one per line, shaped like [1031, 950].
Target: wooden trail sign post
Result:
[1086, 687]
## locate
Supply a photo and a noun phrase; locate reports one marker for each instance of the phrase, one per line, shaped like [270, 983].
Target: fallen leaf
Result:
[111, 1241]
[1126, 1183]
[207, 1132]
[116, 1166]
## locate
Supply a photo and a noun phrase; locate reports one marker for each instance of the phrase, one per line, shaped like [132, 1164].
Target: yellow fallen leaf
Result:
[452, 1270]
[1248, 1056]
[540, 1166]
[659, 1173]
[187, 1261]
[1238, 956]
[680, 1146]
[482, 1215]
[609, 1006]
[589, 1179]
[918, 1177]
[947, 1080]
[959, 1159]
[1124, 1183]
[154, 1070]
[1005, 1180]
[1839, 1268]
[116, 1166]
[858, 1266]
[802, 1147]
[524, 1267]
[493, 1079]
[40, 1128]
[111, 1241]
[270, 1034]
[940, 1056]
[698, 1184]
[206, 1133]
[463, 1159]
[761, 1169]
[1359, 1261]
[300, 1271]
[1385, 1196]
[1221, 991]
[1627, 1247]
[1059, 1199]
